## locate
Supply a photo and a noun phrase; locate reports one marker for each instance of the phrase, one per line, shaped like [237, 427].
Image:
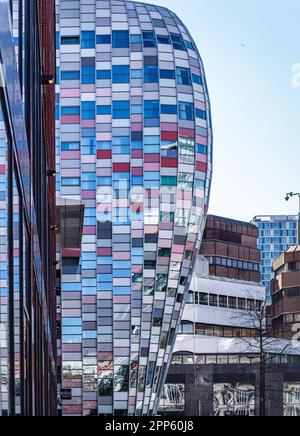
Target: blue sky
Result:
[256, 109]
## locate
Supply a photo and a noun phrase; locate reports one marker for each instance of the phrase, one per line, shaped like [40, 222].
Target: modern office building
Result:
[276, 234]
[215, 369]
[231, 248]
[134, 146]
[285, 290]
[27, 209]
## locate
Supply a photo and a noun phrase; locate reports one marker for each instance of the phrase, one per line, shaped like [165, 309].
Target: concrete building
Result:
[285, 290]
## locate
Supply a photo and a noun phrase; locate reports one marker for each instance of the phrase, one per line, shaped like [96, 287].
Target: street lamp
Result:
[288, 196]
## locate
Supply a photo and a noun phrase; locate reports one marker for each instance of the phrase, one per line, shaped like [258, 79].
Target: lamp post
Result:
[290, 195]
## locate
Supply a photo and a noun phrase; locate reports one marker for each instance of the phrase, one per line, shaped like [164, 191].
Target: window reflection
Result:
[234, 400]
[291, 399]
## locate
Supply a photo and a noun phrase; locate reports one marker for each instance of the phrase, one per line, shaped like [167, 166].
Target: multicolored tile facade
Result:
[134, 144]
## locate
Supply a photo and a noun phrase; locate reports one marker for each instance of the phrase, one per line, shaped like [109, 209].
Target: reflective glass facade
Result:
[27, 211]
[275, 235]
[134, 145]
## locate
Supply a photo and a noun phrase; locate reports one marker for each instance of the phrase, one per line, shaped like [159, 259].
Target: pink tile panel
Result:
[70, 119]
[104, 119]
[88, 158]
[104, 172]
[105, 251]
[176, 257]
[89, 299]
[135, 154]
[178, 248]
[136, 127]
[165, 243]
[71, 348]
[121, 256]
[70, 172]
[70, 155]
[169, 127]
[89, 230]
[122, 300]
[88, 124]
[87, 88]
[104, 207]
[69, 93]
[166, 226]
[137, 269]
[71, 252]
[152, 166]
[103, 136]
[136, 91]
[201, 140]
[164, 261]
[200, 105]
[103, 92]
[137, 233]
[137, 171]
[137, 65]
[88, 195]
[201, 158]
[136, 118]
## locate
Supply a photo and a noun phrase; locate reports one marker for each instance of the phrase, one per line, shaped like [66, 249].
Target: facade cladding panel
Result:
[134, 144]
[231, 248]
[27, 208]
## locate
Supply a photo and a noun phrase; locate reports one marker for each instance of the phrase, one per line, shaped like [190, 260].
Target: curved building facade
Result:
[134, 145]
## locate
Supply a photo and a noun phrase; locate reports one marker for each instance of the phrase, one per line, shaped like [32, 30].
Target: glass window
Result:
[103, 74]
[213, 300]
[70, 110]
[70, 75]
[189, 45]
[201, 114]
[103, 39]
[183, 76]
[88, 75]
[232, 303]
[136, 39]
[167, 74]
[136, 74]
[162, 39]
[222, 301]
[120, 39]
[203, 299]
[149, 39]
[197, 79]
[169, 109]
[70, 146]
[120, 74]
[88, 110]
[88, 39]
[151, 74]
[161, 282]
[178, 42]
[121, 378]
[121, 109]
[186, 111]
[70, 40]
[151, 109]
[104, 110]
[70, 181]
